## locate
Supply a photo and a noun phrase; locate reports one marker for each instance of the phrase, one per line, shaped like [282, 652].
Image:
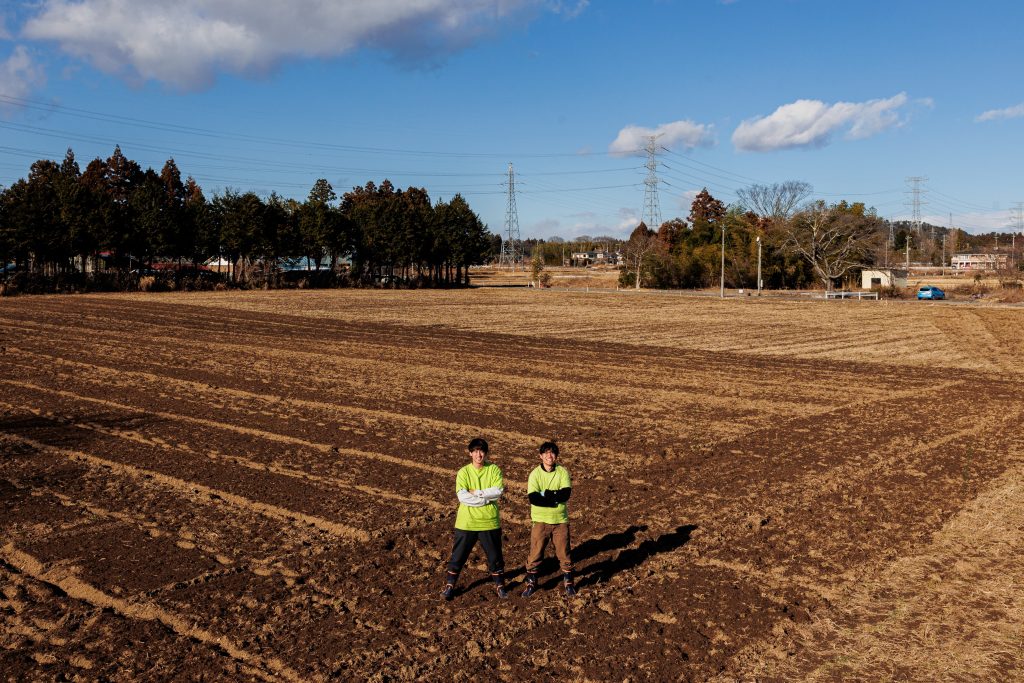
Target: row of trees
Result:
[802, 242]
[687, 253]
[61, 220]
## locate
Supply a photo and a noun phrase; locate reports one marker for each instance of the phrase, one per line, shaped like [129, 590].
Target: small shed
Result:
[883, 277]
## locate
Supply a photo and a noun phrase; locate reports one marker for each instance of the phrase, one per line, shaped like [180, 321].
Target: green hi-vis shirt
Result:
[541, 481]
[485, 517]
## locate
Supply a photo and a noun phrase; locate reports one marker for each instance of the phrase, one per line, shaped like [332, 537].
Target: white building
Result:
[979, 261]
[884, 277]
[596, 257]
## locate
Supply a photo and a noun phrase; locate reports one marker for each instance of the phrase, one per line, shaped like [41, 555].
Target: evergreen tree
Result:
[318, 221]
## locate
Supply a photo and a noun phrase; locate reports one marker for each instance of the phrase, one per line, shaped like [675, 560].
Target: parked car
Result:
[929, 292]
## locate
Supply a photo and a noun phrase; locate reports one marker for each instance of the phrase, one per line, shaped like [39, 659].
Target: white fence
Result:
[851, 295]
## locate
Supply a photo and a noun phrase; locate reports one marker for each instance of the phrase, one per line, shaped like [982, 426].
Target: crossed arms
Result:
[545, 499]
[480, 497]
[550, 498]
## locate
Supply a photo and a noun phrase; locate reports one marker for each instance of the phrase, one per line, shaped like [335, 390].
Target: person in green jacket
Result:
[548, 489]
[478, 486]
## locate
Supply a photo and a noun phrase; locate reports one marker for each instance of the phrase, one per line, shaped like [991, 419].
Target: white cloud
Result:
[685, 200]
[626, 225]
[19, 76]
[186, 43]
[678, 134]
[975, 222]
[545, 226]
[4, 33]
[570, 10]
[589, 223]
[811, 123]
[1014, 112]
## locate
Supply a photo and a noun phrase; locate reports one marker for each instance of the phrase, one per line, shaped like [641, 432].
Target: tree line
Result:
[115, 216]
[802, 242]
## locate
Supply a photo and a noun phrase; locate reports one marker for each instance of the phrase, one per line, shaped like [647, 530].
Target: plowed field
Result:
[259, 486]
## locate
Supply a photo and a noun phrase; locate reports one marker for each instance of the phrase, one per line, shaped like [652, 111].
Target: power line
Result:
[249, 163]
[1017, 216]
[734, 177]
[291, 143]
[969, 205]
[214, 167]
[691, 180]
[545, 190]
[686, 159]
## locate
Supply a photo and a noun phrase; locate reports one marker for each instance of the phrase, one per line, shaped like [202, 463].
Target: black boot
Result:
[570, 587]
[499, 584]
[531, 584]
[449, 587]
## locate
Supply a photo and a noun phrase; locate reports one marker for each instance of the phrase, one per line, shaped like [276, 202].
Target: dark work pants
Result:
[490, 541]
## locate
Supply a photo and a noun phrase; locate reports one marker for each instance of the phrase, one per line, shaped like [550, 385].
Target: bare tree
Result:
[537, 265]
[776, 202]
[833, 239]
[642, 242]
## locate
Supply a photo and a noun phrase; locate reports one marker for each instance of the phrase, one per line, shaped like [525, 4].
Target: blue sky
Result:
[852, 97]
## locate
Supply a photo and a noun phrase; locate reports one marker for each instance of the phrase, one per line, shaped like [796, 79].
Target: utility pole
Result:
[1017, 216]
[652, 208]
[948, 232]
[915, 200]
[943, 256]
[888, 245]
[908, 258]
[721, 292]
[759, 265]
[512, 246]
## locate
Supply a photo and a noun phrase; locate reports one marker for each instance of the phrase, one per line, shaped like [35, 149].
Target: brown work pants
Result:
[558, 534]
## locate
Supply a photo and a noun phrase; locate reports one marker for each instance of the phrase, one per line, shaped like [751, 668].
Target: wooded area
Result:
[803, 243]
[115, 219]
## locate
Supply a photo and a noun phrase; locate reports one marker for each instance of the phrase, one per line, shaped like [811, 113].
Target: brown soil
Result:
[256, 486]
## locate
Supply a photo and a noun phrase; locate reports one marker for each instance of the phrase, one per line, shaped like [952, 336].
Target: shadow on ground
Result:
[603, 569]
[631, 558]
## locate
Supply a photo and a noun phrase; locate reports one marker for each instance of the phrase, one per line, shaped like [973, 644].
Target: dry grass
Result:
[969, 337]
[953, 611]
[561, 278]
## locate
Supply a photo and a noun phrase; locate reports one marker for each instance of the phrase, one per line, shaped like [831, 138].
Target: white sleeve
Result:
[467, 498]
[492, 494]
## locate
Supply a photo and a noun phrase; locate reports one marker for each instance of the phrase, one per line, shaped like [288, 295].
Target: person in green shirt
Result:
[478, 486]
[548, 489]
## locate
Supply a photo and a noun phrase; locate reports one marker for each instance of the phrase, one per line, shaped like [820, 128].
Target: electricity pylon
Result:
[512, 245]
[652, 208]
